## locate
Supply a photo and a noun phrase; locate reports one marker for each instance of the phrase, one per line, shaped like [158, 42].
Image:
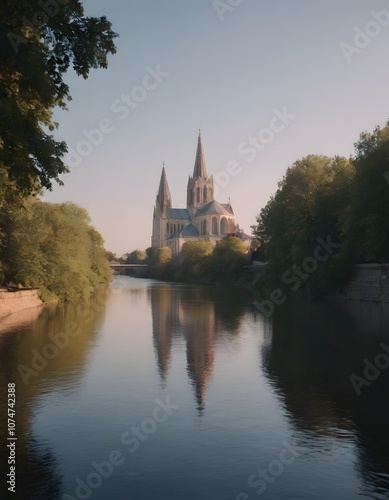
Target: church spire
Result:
[164, 198]
[200, 169]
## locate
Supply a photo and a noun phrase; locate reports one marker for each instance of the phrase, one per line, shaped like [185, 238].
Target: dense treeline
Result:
[200, 262]
[327, 215]
[54, 248]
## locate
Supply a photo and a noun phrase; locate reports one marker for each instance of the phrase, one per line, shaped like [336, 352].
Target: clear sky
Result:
[229, 68]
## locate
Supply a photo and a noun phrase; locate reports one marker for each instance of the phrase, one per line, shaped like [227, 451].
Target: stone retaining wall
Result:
[370, 283]
[11, 302]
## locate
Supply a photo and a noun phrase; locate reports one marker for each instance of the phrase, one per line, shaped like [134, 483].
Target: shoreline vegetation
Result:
[52, 248]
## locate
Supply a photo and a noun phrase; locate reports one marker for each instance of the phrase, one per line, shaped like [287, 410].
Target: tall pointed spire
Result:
[164, 197]
[200, 169]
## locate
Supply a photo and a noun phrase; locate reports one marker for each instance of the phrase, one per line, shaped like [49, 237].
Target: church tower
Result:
[162, 204]
[200, 186]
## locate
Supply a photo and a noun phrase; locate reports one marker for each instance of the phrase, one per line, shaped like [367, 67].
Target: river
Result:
[165, 391]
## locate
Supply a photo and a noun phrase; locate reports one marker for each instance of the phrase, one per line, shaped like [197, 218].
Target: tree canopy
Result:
[40, 41]
[136, 257]
[54, 248]
[345, 201]
[366, 223]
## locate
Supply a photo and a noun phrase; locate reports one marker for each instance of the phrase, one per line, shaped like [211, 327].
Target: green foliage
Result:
[192, 251]
[162, 255]
[53, 247]
[150, 255]
[195, 259]
[228, 256]
[201, 262]
[160, 263]
[110, 256]
[39, 43]
[344, 200]
[136, 257]
[310, 202]
[366, 223]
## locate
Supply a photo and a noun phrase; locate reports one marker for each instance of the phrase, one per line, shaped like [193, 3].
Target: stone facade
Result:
[203, 218]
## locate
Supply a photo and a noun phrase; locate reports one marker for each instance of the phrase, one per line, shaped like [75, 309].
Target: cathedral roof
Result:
[200, 169]
[215, 208]
[164, 197]
[178, 213]
[189, 231]
[228, 207]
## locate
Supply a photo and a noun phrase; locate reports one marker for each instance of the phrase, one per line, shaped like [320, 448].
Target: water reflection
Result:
[313, 353]
[199, 316]
[36, 370]
[300, 388]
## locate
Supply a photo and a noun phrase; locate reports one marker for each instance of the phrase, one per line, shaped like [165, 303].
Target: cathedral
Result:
[203, 218]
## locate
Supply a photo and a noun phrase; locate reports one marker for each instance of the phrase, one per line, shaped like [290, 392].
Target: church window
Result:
[167, 227]
[198, 195]
[214, 226]
[223, 226]
[205, 194]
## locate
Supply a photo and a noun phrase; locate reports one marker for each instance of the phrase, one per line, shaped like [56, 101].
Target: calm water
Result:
[164, 391]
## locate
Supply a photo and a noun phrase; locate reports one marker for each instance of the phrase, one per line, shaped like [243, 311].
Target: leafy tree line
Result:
[199, 261]
[54, 248]
[341, 201]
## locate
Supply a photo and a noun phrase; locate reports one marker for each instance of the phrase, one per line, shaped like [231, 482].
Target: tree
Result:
[310, 203]
[195, 256]
[193, 251]
[54, 248]
[110, 256]
[40, 41]
[228, 256]
[365, 224]
[163, 255]
[136, 257]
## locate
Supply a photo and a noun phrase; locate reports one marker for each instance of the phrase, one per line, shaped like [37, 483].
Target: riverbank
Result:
[370, 282]
[11, 302]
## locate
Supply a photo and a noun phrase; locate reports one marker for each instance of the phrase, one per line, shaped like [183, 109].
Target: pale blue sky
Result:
[226, 77]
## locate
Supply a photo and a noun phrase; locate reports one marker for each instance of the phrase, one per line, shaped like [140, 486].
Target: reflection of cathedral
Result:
[185, 315]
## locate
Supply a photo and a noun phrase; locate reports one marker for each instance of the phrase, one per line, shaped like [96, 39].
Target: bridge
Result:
[119, 268]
